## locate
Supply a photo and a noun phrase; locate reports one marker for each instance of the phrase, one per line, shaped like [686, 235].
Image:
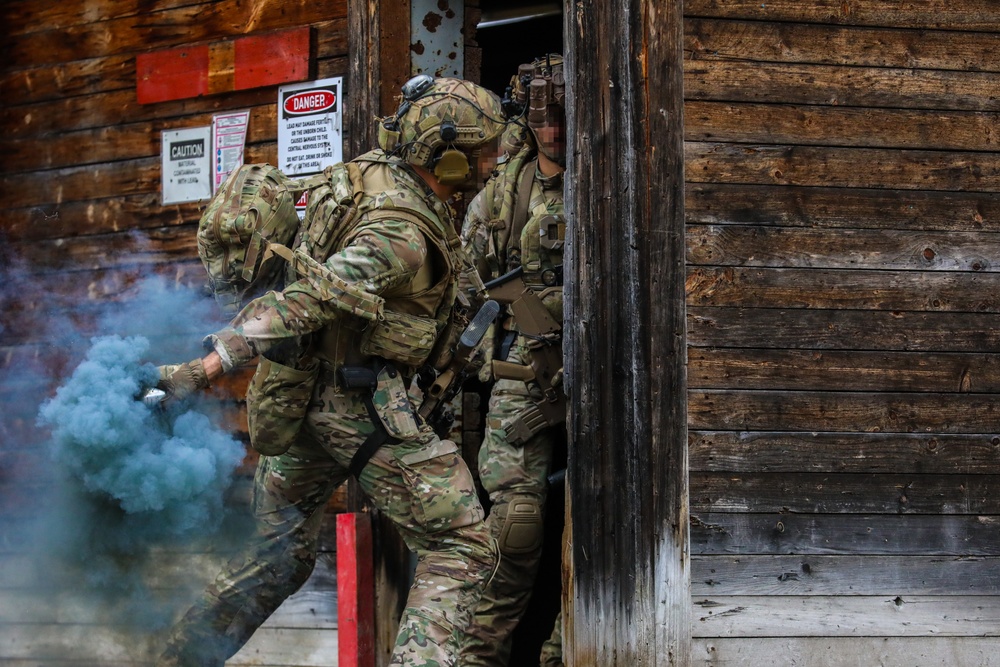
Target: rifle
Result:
[534, 321]
[449, 382]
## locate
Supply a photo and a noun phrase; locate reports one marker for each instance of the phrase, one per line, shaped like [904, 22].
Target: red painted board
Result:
[253, 61]
[172, 74]
[262, 60]
[355, 591]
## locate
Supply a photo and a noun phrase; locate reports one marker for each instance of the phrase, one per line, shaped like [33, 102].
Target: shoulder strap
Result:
[520, 217]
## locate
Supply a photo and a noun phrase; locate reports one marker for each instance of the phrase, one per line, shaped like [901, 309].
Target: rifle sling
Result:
[378, 437]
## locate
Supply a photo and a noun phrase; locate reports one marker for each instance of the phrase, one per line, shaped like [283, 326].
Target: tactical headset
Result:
[436, 143]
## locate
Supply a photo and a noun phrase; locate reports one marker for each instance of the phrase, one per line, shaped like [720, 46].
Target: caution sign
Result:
[186, 165]
[310, 126]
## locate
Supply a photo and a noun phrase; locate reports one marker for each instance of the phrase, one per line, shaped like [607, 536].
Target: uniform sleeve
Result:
[385, 255]
[475, 235]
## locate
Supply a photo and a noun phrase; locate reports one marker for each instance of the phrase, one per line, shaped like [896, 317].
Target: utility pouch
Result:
[277, 401]
[404, 339]
[392, 405]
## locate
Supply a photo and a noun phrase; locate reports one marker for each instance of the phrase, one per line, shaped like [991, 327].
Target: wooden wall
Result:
[81, 221]
[843, 169]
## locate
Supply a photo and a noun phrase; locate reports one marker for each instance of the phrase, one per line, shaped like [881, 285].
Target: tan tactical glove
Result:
[181, 380]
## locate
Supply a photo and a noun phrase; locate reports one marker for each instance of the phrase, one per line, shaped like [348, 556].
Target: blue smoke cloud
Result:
[121, 509]
[170, 468]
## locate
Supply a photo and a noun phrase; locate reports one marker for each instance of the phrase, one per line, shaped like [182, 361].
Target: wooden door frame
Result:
[625, 348]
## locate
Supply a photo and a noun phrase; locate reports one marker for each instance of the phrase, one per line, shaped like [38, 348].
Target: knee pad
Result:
[521, 532]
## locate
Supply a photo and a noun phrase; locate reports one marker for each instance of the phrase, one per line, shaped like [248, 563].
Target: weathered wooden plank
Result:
[834, 208]
[958, 15]
[287, 646]
[100, 181]
[862, 289]
[847, 616]
[118, 107]
[759, 41]
[99, 645]
[782, 451]
[119, 142]
[54, 221]
[839, 167]
[758, 410]
[105, 74]
[846, 651]
[172, 27]
[140, 251]
[840, 126]
[844, 575]
[842, 329]
[26, 16]
[833, 493]
[739, 245]
[793, 83]
[836, 370]
[843, 534]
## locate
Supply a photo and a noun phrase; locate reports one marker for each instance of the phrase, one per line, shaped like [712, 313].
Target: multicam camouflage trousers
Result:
[423, 485]
[515, 475]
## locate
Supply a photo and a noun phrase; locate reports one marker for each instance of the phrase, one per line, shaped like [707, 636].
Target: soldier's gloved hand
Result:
[181, 380]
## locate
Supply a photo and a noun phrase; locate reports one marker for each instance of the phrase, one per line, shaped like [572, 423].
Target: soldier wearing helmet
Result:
[517, 224]
[340, 341]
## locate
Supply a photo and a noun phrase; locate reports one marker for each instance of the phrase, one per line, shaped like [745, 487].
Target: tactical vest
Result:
[527, 228]
[415, 313]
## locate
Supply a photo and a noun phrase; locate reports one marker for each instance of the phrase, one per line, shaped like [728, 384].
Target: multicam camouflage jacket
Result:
[489, 234]
[402, 248]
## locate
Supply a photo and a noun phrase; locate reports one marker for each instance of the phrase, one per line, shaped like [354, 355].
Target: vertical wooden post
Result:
[355, 591]
[625, 348]
[379, 44]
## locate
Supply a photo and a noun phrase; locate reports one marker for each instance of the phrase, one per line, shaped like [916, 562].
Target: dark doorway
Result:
[509, 34]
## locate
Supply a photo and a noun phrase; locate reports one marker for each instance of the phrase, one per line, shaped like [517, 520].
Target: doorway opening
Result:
[511, 33]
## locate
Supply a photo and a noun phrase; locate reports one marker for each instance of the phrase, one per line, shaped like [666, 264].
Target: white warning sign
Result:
[310, 126]
[186, 165]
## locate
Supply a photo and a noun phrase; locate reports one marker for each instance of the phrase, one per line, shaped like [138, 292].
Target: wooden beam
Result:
[626, 338]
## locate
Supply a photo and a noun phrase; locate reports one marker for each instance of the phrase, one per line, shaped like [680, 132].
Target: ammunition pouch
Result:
[277, 401]
[404, 339]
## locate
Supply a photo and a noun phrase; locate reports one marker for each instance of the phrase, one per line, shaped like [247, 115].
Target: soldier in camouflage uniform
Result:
[402, 254]
[517, 221]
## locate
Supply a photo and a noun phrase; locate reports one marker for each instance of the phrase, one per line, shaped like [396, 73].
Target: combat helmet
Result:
[534, 100]
[440, 123]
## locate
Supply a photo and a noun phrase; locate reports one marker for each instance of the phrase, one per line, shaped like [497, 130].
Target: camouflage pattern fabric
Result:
[508, 472]
[420, 484]
[511, 470]
[383, 257]
[551, 654]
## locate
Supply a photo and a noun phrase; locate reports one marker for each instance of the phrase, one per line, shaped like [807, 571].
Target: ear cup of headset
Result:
[452, 168]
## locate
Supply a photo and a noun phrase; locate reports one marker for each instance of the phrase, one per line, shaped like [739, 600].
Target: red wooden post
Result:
[355, 591]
